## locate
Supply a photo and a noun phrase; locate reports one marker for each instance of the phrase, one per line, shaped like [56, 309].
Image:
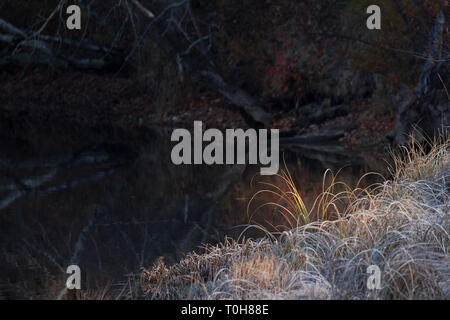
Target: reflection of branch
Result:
[39, 251]
[79, 245]
[209, 204]
[21, 188]
[36, 190]
[445, 87]
[68, 162]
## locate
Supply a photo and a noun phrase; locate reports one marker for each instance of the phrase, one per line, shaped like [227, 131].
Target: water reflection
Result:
[119, 205]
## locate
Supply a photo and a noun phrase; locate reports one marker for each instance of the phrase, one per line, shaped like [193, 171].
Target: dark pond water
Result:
[113, 205]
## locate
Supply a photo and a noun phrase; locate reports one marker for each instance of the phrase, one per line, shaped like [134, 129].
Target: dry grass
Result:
[402, 226]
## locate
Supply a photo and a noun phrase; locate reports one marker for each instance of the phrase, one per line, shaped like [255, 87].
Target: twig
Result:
[445, 87]
[146, 11]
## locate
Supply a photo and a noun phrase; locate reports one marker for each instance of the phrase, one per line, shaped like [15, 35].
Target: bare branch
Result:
[11, 29]
[144, 10]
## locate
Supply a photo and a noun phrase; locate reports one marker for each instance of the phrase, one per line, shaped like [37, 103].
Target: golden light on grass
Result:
[401, 226]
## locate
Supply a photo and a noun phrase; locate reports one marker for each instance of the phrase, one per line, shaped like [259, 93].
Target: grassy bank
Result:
[402, 226]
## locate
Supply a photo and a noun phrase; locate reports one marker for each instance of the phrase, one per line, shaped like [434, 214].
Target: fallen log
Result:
[323, 136]
[316, 113]
[43, 53]
[198, 63]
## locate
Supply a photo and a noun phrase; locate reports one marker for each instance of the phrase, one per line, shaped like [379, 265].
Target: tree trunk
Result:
[429, 109]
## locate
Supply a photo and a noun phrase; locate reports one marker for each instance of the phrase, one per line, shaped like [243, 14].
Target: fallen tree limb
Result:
[111, 59]
[316, 113]
[79, 44]
[328, 135]
[202, 68]
[6, 26]
[185, 44]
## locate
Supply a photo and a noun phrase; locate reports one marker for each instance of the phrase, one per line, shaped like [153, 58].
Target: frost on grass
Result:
[402, 226]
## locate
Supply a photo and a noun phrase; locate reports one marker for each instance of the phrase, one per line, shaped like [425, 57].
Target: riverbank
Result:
[75, 143]
[401, 226]
[39, 100]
